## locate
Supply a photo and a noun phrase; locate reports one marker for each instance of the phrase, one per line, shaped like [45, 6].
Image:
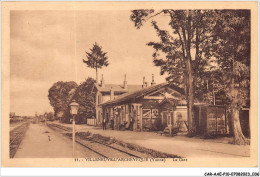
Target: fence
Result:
[92, 122]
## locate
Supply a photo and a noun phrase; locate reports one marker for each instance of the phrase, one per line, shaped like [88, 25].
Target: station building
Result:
[106, 92]
[150, 108]
[153, 107]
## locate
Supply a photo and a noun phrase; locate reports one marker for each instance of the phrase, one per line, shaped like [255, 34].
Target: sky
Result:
[48, 46]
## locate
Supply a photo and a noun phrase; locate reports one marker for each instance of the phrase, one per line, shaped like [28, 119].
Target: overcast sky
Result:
[48, 46]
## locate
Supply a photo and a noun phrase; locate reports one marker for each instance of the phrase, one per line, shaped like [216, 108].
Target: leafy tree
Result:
[60, 95]
[190, 30]
[96, 59]
[85, 96]
[219, 71]
[50, 115]
[231, 48]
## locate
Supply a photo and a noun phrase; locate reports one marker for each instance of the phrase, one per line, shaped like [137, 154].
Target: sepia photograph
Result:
[130, 84]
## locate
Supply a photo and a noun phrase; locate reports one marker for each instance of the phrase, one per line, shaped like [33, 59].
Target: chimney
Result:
[112, 95]
[152, 83]
[144, 84]
[125, 83]
[102, 83]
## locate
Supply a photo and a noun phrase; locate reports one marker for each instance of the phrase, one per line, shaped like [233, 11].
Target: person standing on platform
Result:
[104, 124]
[131, 123]
[112, 123]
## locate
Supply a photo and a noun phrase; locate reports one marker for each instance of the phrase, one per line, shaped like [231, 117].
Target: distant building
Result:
[12, 114]
[107, 92]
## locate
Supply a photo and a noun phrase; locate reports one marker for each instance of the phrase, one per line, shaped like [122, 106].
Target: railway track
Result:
[101, 149]
[16, 136]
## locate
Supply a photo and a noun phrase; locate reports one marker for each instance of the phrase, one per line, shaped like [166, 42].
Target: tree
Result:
[50, 115]
[96, 59]
[60, 95]
[85, 96]
[232, 50]
[11, 114]
[190, 30]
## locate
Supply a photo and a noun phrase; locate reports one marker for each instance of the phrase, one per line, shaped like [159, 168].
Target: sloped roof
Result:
[139, 93]
[119, 88]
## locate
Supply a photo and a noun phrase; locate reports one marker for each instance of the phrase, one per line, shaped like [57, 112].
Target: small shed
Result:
[210, 120]
[244, 121]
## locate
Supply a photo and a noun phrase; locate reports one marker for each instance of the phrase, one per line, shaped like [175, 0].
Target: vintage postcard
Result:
[129, 84]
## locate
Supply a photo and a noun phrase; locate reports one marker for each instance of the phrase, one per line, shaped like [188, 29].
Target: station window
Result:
[146, 113]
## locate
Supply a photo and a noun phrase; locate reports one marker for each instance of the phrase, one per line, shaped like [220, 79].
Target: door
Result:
[167, 119]
[137, 116]
[172, 118]
[164, 120]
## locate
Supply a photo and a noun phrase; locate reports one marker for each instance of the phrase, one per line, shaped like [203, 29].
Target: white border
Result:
[124, 171]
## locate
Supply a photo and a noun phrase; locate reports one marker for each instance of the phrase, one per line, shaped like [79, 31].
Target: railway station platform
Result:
[178, 145]
[42, 142]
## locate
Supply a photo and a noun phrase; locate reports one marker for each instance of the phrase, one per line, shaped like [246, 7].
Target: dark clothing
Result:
[131, 124]
[104, 124]
[112, 124]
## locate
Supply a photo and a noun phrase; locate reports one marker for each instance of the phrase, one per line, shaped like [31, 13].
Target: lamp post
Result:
[73, 111]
